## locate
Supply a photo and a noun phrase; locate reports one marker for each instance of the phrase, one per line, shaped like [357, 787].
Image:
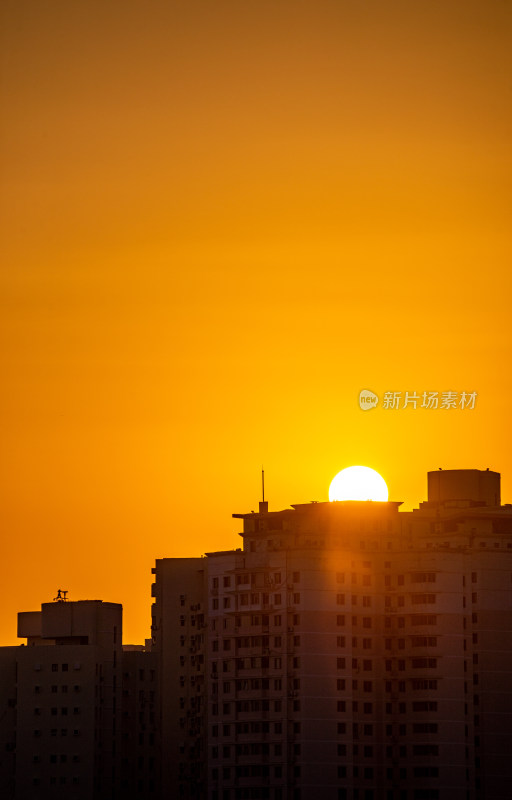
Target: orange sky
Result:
[220, 222]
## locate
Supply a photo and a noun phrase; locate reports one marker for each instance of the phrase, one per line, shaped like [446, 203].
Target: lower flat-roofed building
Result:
[68, 696]
[7, 720]
[77, 713]
[349, 650]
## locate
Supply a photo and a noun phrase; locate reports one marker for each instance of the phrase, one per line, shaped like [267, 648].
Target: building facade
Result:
[78, 717]
[68, 698]
[348, 650]
[140, 741]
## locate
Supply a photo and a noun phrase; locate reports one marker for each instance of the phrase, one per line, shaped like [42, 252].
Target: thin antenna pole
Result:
[263, 484]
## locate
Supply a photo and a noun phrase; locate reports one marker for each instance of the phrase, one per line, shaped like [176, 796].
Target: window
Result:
[424, 641]
[423, 577]
[418, 685]
[340, 663]
[426, 772]
[340, 620]
[424, 619]
[423, 599]
[424, 663]
[425, 750]
[424, 727]
[340, 599]
[340, 641]
[296, 577]
[424, 705]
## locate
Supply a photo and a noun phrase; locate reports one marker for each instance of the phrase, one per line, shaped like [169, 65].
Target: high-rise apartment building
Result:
[179, 633]
[349, 650]
[140, 743]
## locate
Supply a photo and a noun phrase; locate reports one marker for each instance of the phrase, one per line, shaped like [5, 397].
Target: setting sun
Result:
[358, 483]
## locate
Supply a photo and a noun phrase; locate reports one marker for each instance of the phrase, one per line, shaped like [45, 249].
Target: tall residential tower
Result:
[349, 650]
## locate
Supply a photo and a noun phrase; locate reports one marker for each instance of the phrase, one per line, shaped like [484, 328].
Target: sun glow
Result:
[358, 483]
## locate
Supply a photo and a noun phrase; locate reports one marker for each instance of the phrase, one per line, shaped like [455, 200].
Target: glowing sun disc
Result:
[358, 483]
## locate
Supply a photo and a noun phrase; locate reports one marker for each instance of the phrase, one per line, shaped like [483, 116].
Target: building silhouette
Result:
[77, 713]
[348, 650]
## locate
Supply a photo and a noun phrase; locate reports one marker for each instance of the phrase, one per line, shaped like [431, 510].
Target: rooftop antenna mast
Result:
[263, 506]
